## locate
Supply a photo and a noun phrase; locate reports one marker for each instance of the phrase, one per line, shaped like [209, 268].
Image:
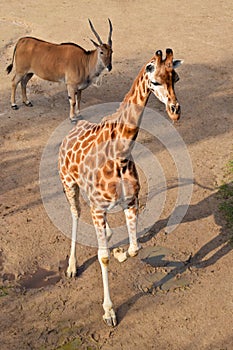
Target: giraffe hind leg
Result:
[72, 194]
[108, 232]
[131, 221]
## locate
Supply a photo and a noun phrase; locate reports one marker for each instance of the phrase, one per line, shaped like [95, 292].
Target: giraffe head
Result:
[161, 79]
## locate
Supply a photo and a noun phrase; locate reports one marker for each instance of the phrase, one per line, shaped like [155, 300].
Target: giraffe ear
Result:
[177, 63]
[150, 68]
[175, 76]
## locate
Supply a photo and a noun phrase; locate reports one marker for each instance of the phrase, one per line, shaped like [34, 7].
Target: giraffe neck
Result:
[132, 107]
[139, 92]
[124, 124]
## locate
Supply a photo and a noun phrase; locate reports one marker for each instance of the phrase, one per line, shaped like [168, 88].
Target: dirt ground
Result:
[40, 307]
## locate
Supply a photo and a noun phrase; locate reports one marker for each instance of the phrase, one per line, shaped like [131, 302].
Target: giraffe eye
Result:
[155, 83]
[150, 68]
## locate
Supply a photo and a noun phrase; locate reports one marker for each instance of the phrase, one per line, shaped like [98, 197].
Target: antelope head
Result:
[104, 50]
[161, 79]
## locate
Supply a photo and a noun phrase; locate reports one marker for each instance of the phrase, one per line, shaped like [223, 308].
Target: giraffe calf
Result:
[97, 159]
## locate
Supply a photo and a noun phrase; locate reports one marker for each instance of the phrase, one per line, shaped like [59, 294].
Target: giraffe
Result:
[95, 159]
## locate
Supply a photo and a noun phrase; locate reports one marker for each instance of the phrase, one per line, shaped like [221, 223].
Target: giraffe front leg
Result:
[109, 316]
[99, 219]
[72, 267]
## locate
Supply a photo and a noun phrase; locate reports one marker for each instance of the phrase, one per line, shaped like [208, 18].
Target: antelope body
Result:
[65, 62]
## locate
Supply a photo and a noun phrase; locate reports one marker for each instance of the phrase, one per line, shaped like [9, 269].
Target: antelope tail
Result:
[9, 68]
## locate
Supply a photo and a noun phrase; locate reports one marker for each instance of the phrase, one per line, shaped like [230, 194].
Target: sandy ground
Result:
[40, 307]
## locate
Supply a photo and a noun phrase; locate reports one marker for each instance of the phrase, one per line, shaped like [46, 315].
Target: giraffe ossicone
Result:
[97, 159]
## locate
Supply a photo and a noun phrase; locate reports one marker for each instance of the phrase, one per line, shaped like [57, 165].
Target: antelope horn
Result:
[110, 33]
[94, 31]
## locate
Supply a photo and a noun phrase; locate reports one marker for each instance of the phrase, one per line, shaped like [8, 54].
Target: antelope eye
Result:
[101, 52]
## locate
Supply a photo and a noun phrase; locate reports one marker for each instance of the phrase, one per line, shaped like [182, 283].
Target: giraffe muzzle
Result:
[175, 111]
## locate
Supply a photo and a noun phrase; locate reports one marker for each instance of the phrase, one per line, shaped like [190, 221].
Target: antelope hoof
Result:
[110, 320]
[14, 107]
[74, 120]
[119, 254]
[28, 104]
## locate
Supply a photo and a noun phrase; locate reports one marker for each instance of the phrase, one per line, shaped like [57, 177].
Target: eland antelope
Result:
[66, 62]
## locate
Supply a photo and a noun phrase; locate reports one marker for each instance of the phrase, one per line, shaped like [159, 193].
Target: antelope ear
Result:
[150, 68]
[177, 63]
[93, 42]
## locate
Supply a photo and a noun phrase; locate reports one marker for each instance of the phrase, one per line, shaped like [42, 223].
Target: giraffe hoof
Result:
[14, 107]
[110, 321]
[71, 273]
[134, 252]
[119, 254]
